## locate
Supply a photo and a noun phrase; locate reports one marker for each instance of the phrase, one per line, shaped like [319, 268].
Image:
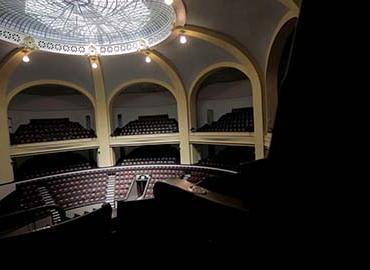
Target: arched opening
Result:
[277, 66]
[29, 167]
[50, 112]
[224, 156]
[144, 109]
[224, 102]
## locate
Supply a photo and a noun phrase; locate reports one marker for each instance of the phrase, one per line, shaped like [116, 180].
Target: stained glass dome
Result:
[81, 27]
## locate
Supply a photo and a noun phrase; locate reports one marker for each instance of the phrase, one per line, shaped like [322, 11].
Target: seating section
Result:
[44, 165]
[68, 191]
[149, 125]
[151, 155]
[47, 130]
[86, 188]
[89, 228]
[239, 120]
[78, 190]
[126, 178]
[124, 181]
[229, 158]
[29, 195]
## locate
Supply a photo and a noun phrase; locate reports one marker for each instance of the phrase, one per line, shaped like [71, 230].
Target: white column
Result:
[105, 156]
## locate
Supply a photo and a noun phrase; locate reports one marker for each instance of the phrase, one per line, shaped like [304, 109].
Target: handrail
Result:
[122, 168]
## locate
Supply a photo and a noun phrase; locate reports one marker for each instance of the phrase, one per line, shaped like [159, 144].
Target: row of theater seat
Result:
[146, 155]
[29, 196]
[126, 178]
[148, 125]
[239, 120]
[145, 161]
[46, 130]
[90, 187]
[78, 190]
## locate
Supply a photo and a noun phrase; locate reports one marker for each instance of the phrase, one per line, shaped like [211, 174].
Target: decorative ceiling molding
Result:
[89, 27]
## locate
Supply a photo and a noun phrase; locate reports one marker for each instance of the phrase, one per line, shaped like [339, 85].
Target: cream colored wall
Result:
[49, 66]
[190, 59]
[25, 107]
[132, 105]
[7, 67]
[222, 98]
[118, 70]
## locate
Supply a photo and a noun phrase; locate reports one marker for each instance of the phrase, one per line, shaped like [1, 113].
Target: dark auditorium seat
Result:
[239, 120]
[148, 125]
[47, 130]
[147, 155]
[67, 191]
[88, 188]
[93, 226]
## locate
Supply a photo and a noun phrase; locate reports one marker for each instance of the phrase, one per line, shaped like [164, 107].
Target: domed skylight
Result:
[83, 27]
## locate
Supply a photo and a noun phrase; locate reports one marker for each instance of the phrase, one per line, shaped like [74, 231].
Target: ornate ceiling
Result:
[82, 27]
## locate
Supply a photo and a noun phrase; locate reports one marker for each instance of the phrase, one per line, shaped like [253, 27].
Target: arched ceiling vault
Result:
[217, 27]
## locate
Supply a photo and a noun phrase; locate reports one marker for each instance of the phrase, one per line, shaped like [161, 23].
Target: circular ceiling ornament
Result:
[75, 26]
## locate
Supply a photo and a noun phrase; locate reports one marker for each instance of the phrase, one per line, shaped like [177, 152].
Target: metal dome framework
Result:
[83, 27]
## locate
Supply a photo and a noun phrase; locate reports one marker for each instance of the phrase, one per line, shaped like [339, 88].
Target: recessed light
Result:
[183, 39]
[26, 59]
[148, 59]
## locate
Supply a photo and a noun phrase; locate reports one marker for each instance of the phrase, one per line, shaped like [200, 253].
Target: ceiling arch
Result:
[192, 57]
[249, 22]
[199, 79]
[49, 66]
[119, 69]
[14, 92]
[281, 35]
[125, 85]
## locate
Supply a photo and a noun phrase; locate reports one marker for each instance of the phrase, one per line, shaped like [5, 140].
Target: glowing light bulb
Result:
[168, 2]
[94, 65]
[148, 59]
[26, 59]
[183, 39]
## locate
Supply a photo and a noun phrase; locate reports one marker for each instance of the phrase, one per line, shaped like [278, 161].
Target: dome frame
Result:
[87, 27]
